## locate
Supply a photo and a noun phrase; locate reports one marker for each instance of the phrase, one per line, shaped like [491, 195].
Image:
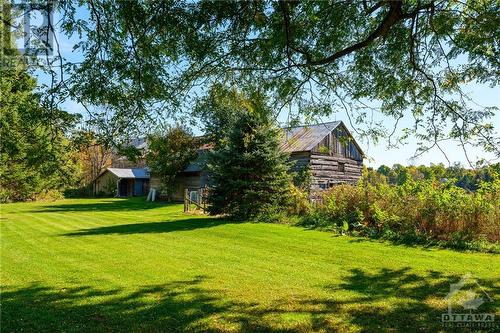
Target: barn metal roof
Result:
[130, 173]
[139, 143]
[303, 138]
[198, 164]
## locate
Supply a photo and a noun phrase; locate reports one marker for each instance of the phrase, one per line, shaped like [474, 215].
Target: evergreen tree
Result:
[248, 170]
[35, 155]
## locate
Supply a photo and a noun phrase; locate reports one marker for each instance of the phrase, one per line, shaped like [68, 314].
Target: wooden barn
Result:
[328, 149]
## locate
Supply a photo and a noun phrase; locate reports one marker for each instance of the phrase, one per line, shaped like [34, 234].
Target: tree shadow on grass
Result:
[431, 244]
[152, 227]
[387, 300]
[393, 242]
[104, 205]
[413, 302]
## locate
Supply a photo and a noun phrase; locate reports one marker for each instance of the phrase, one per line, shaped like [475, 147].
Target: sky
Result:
[376, 153]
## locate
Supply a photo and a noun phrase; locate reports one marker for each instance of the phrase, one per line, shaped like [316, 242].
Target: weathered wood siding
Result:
[338, 143]
[299, 160]
[328, 171]
[106, 183]
[325, 168]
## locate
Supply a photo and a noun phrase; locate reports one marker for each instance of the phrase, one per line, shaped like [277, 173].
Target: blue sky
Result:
[377, 153]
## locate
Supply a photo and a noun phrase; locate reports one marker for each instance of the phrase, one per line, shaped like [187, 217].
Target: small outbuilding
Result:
[123, 182]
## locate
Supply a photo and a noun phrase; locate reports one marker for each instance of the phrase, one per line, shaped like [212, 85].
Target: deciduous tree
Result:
[170, 153]
[399, 58]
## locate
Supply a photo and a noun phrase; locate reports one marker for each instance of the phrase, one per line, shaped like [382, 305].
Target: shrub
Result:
[49, 195]
[302, 179]
[4, 196]
[423, 211]
[80, 192]
[299, 202]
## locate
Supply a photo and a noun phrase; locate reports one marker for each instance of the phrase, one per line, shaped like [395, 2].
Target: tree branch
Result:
[394, 15]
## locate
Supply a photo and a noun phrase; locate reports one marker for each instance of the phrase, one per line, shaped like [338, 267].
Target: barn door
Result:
[123, 188]
[138, 190]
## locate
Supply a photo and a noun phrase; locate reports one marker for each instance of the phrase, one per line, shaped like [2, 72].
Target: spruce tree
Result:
[249, 172]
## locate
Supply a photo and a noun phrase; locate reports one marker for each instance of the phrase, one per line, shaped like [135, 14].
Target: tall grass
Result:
[423, 211]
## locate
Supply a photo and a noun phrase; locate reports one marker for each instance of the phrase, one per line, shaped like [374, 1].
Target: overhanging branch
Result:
[394, 15]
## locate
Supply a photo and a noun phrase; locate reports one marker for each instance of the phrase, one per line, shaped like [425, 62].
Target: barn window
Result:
[323, 186]
[341, 167]
[323, 150]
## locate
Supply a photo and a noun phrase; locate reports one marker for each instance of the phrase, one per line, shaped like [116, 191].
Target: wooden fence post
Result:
[202, 199]
[186, 200]
[200, 202]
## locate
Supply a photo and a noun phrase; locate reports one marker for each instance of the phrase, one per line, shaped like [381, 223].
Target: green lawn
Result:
[128, 265]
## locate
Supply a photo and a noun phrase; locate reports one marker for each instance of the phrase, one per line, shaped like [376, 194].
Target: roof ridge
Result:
[311, 125]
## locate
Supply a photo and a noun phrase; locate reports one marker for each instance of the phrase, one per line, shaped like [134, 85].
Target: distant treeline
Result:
[466, 178]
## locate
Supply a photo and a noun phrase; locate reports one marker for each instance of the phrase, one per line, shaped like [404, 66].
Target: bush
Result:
[49, 195]
[423, 211]
[299, 202]
[80, 192]
[4, 196]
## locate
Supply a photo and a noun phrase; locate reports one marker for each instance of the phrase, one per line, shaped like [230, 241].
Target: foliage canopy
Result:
[170, 153]
[407, 58]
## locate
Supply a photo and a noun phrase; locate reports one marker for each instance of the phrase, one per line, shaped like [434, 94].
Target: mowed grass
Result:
[127, 265]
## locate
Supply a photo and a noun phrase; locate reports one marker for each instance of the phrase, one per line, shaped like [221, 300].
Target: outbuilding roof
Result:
[130, 172]
[304, 138]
